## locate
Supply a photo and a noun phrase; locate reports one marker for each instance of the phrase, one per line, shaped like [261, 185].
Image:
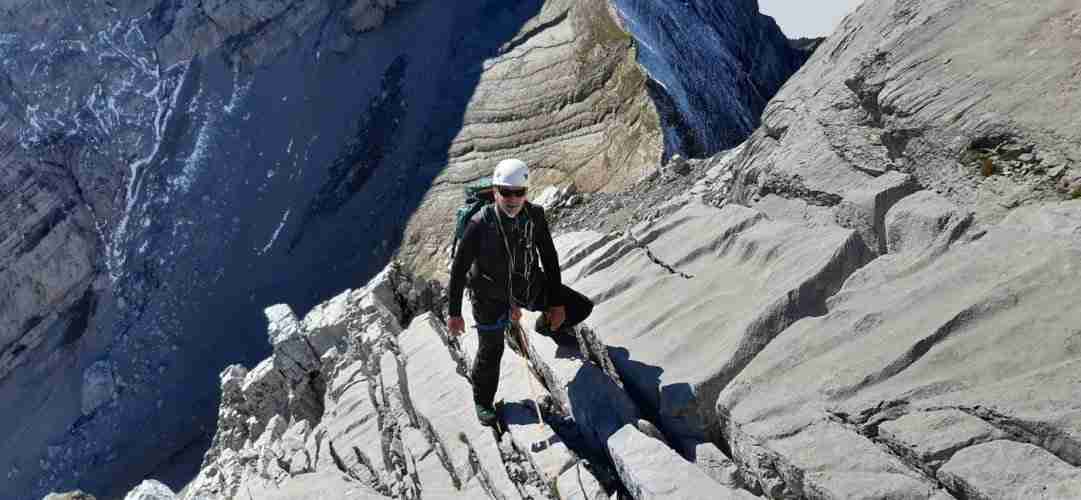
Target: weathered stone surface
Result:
[604, 419]
[325, 485]
[72, 495]
[719, 285]
[717, 465]
[444, 399]
[828, 460]
[864, 209]
[373, 308]
[1007, 469]
[650, 471]
[577, 483]
[171, 168]
[150, 490]
[886, 349]
[933, 437]
[901, 86]
[49, 252]
[916, 222]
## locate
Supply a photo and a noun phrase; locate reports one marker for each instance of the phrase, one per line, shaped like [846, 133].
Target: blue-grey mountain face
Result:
[180, 166]
[714, 66]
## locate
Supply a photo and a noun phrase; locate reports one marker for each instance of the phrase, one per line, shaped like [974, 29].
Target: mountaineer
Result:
[500, 258]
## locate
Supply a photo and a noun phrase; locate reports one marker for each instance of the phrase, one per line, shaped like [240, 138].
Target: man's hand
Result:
[455, 325]
[515, 313]
[556, 315]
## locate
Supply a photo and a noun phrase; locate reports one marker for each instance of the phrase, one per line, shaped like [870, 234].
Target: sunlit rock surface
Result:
[168, 169]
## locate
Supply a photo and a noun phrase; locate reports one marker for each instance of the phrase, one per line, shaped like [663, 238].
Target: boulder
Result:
[151, 490]
[864, 209]
[916, 223]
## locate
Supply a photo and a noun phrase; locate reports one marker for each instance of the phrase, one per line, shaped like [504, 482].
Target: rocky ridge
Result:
[790, 326]
[167, 164]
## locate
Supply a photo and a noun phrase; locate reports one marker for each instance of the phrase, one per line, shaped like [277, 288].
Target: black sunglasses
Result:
[512, 192]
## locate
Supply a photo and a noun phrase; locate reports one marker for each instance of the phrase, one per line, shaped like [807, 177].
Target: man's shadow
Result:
[642, 385]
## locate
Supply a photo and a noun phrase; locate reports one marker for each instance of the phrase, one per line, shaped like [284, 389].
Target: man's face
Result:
[510, 199]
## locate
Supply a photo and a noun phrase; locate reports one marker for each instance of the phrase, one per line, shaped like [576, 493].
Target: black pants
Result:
[490, 349]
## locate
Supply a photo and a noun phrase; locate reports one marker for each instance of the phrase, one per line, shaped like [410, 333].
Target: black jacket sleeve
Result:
[548, 257]
[463, 260]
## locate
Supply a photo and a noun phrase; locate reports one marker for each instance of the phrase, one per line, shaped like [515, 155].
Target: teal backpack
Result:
[477, 195]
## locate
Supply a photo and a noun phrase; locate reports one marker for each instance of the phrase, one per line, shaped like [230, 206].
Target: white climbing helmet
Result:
[511, 172]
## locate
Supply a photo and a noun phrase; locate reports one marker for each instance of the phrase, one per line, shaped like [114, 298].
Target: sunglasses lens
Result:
[516, 193]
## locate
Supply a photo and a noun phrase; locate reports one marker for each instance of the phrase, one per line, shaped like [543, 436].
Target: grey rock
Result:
[607, 419]
[879, 95]
[207, 158]
[795, 209]
[933, 437]
[48, 253]
[283, 323]
[373, 308]
[99, 386]
[324, 485]
[754, 276]
[651, 472]
[151, 490]
[916, 222]
[1008, 469]
[886, 349]
[577, 483]
[679, 165]
[71, 495]
[864, 209]
[716, 465]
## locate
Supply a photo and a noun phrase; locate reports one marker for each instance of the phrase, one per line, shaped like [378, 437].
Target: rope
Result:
[528, 256]
[522, 340]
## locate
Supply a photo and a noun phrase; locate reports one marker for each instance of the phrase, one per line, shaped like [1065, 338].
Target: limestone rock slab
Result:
[326, 485]
[606, 421]
[916, 222]
[864, 209]
[934, 436]
[1007, 469]
[955, 333]
[445, 399]
[652, 472]
[686, 301]
[902, 87]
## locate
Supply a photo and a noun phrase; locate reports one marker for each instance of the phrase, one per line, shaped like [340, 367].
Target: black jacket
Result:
[482, 262]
